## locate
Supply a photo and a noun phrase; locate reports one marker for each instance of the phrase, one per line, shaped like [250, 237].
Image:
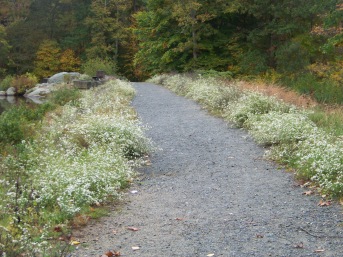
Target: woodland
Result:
[294, 43]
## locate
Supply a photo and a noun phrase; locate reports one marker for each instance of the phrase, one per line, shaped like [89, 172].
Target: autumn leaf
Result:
[323, 203]
[310, 192]
[109, 254]
[73, 242]
[133, 228]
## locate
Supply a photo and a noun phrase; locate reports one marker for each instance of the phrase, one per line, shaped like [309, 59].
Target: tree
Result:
[108, 22]
[47, 60]
[4, 51]
[69, 61]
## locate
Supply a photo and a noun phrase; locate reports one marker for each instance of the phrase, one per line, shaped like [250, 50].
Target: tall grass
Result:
[300, 133]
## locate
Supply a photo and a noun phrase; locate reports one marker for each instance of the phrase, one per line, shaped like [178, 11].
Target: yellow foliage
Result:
[331, 70]
[69, 61]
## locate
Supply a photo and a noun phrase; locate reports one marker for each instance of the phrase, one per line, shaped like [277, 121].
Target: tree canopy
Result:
[145, 37]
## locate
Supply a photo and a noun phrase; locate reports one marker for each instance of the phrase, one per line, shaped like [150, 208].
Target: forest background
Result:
[297, 43]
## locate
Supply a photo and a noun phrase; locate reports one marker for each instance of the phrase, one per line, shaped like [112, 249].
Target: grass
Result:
[302, 134]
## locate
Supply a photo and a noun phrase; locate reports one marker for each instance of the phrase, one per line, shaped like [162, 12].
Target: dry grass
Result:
[279, 92]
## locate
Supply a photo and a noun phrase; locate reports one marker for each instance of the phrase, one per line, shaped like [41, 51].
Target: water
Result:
[10, 101]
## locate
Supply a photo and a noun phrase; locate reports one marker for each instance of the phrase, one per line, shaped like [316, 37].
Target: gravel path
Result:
[210, 192]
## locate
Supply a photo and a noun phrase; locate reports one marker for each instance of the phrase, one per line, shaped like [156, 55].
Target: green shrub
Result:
[65, 95]
[330, 122]
[291, 57]
[12, 127]
[253, 63]
[323, 90]
[6, 83]
[90, 67]
[17, 123]
[215, 74]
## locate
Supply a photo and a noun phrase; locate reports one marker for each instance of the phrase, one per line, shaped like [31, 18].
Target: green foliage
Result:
[215, 74]
[291, 57]
[6, 82]
[4, 51]
[325, 91]
[23, 83]
[331, 122]
[65, 95]
[91, 66]
[17, 123]
[252, 63]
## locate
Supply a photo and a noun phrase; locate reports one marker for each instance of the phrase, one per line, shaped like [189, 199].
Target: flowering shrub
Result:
[280, 128]
[83, 156]
[250, 104]
[293, 138]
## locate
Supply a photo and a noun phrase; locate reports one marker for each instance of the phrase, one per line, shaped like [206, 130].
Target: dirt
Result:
[209, 192]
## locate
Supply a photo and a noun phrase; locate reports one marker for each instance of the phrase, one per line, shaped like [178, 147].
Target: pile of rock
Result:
[45, 88]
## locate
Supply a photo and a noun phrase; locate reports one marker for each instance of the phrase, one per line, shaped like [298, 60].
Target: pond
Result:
[10, 101]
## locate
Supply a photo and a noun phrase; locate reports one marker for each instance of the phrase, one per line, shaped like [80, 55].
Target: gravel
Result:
[209, 191]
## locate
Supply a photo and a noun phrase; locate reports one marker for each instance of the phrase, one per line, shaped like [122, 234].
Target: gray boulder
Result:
[38, 92]
[2, 93]
[10, 91]
[62, 76]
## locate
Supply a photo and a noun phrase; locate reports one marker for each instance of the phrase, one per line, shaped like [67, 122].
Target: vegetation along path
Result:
[210, 193]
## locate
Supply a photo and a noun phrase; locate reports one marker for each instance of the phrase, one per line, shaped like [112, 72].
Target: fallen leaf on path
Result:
[133, 228]
[323, 203]
[210, 255]
[310, 192]
[179, 219]
[300, 245]
[73, 242]
[135, 248]
[109, 254]
[319, 250]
